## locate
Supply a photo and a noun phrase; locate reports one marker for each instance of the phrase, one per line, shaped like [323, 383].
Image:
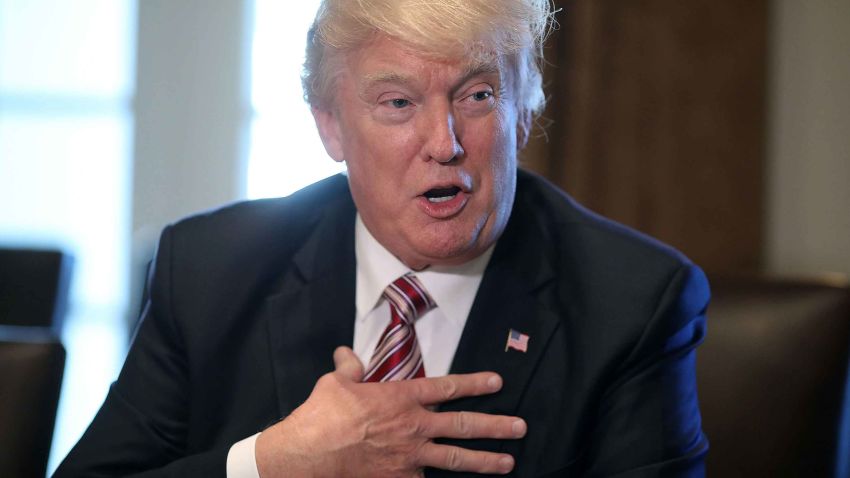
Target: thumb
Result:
[347, 363]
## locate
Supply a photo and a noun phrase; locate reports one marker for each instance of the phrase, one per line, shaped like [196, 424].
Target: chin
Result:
[449, 249]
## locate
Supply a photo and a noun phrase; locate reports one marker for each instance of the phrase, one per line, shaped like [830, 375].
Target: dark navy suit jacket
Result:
[239, 326]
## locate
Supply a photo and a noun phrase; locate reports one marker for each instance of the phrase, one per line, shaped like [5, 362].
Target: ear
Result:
[523, 129]
[327, 123]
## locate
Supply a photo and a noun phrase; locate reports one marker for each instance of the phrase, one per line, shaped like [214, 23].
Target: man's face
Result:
[430, 147]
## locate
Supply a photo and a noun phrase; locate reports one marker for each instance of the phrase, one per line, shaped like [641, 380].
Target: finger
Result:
[472, 425]
[347, 363]
[432, 391]
[453, 458]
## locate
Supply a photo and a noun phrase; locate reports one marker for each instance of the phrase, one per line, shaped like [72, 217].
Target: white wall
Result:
[808, 227]
[192, 107]
[192, 110]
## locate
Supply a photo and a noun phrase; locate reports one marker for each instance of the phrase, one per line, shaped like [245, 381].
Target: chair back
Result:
[32, 363]
[34, 287]
[773, 378]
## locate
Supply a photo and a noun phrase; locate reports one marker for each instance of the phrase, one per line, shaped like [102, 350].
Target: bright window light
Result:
[286, 153]
[66, 82]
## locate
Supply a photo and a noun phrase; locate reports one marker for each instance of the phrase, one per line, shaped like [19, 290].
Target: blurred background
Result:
[718, 126]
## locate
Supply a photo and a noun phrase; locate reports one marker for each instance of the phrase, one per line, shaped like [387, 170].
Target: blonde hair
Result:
[514, 29]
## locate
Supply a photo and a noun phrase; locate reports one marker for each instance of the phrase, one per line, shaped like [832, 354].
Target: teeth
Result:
[441, 199]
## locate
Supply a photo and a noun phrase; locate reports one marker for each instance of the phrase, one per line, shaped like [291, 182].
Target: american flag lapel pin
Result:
[517, 341]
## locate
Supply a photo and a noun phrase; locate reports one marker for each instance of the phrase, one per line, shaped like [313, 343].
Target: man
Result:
[570, 340]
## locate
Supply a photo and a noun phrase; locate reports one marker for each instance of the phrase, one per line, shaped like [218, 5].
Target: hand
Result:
[350, 428]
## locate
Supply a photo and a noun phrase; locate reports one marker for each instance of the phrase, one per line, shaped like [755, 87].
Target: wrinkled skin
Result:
[350, 429]
[406, 123]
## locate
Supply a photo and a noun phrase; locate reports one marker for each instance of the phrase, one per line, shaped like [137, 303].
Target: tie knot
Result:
[408, 296]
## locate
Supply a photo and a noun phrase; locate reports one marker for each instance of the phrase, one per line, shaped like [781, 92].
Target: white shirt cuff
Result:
[240, 459]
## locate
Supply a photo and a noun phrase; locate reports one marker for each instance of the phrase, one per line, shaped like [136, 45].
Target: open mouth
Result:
[438, 195]
[444, 201]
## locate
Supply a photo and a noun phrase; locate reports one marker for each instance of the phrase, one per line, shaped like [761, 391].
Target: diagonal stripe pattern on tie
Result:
[397, 355]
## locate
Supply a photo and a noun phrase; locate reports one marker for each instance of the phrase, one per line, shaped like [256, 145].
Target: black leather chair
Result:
[34, 287]
[773, 378]
[32, 363]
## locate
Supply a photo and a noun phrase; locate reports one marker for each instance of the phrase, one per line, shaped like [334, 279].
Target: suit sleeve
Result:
[141, 428]
[649, 421]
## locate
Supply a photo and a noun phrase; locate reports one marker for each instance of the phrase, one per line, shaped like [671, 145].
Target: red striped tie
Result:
[397, 355]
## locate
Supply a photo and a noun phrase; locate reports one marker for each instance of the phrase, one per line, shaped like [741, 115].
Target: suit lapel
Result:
[510, 297]
[314, 311]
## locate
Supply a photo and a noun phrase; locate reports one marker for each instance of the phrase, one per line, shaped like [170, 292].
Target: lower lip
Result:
[445, 209]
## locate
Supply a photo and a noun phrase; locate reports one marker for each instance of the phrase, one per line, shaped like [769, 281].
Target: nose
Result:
[442, 144]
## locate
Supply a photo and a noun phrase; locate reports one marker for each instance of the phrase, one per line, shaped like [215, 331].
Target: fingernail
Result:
[495, 382]
[506, 463]
[519, 427]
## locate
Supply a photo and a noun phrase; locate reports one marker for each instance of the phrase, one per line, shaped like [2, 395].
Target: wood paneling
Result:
[657, 111]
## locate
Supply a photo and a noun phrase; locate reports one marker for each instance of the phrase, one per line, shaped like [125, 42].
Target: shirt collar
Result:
[453, 288]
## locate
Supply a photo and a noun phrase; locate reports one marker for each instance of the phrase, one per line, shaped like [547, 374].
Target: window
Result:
[286, 153]
[65, 141]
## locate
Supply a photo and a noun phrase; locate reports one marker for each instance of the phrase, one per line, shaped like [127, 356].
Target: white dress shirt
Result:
[453, 289]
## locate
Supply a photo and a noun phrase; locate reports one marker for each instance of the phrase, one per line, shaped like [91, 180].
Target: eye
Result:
[394, 108]
[479, 99]
[399, 103]
[481, 95]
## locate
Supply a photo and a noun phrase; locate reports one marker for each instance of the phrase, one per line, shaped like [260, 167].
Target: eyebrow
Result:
[384, 77]
[470, 71]
[480, 68]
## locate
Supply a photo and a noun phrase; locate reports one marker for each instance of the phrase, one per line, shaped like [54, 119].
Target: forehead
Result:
[384, 59]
